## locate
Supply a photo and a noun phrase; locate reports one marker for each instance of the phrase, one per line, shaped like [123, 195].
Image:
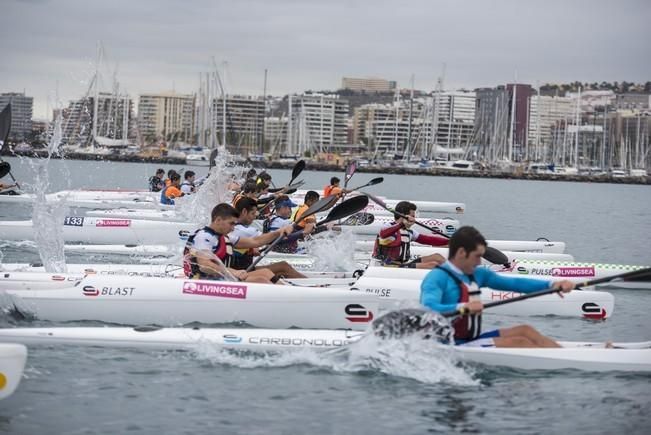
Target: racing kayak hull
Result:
[573, 355]
[12, 365]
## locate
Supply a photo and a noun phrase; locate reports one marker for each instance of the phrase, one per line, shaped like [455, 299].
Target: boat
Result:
[106, 230]
[12, 364]
[135, 300]
[546, 270]
[391, 291]
[445, 226]
[542, 247]
[585, 356]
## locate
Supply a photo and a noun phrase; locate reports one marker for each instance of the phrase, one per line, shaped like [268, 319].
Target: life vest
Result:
[467, 326]
[163, 198]
[223, 250]
[155, 184]
[396, 251]
[266, 224]
[237, 198]
[187, 183]
[327, 190]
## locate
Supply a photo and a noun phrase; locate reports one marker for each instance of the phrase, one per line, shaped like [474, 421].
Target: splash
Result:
[49, 212]
[331, 250]
[214, 190]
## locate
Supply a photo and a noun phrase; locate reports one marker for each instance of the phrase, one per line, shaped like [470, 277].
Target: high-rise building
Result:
[115, 120]
[168, 116]
[275, 133]
[367, 84]
[22, 108]
[546, 114]
[455, 114]
[243, 120]
[317, 123]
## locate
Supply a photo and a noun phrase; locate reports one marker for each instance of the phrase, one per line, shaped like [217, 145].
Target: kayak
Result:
[582, 304]
[540, 247]
[418, 251]
[12, 364]
[391, 290]
[169, 301]
[587, 356]
[576, 272]
[106, 230]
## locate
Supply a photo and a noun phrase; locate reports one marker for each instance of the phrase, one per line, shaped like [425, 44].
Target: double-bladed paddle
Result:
[373, 182]
[493, 255]
[407, 321]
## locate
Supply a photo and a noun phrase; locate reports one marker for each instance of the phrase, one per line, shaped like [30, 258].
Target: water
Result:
[402, 389]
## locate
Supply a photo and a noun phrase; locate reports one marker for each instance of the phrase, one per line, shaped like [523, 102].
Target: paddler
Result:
[455, 285]
[333, 188]
[244, 232]
[280, 219]
[310, 198]
[156, 183]
[392, 244]
[172, 190]
[214, 239]
[188, 186]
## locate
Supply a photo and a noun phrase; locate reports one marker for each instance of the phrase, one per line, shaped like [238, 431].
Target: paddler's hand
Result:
[565, 286]
[309, 227]
[474, 307]
[240, 274]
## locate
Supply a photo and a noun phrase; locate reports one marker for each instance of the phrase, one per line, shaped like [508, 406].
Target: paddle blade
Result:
[346, 208]
[378, 201]
[359, 219]
[5, 124]
[298, 168]
[375, 181]
[495, 256]
[350, 171]
[5, 168]
[213, 157]
[400, 323]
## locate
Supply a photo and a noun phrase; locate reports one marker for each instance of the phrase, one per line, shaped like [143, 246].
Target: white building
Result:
[546, 114]
[167, 116]
[275, 133]
[115, 119]
[317, 123]
[453, 113]
[243, 122]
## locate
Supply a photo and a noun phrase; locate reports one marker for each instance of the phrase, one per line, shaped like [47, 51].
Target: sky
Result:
[49, 47]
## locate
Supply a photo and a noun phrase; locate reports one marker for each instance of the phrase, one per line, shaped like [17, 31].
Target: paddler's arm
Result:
[263, 239]
[431, 292]
[499, 281]
[390, 231]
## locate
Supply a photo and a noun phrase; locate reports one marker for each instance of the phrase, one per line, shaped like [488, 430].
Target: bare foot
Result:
[609, 345]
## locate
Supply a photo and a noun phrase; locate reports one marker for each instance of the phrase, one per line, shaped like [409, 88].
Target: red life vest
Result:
[327, 190]
[398, 251]
[466, 326]
[222, 250]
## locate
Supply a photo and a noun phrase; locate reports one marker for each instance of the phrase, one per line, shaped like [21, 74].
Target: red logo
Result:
[113, 223]
[58, 278]
[593, 311]
[89, 290]
[358, 314]
[214, 289]
[573, 271]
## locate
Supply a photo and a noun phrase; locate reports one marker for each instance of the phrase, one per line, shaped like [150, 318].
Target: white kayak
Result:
[12, 364]
[170, 301]
[582, 304]
[135, 213]
[576, 272]
[588, 356]
[420, 251]
[106, 230]
[392, 291]
[534, 247]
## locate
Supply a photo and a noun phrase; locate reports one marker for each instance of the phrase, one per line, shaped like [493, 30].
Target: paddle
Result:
[359, 219]
[213, 156]
[400, 322]
[298, 168]
[493, 255]
[319, 206]
[373, 182]
[350, 171]
[5, 168]
[5, 128]
[294, 186]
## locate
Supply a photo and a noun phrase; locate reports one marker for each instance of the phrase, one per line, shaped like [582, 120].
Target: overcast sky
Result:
[157, 45]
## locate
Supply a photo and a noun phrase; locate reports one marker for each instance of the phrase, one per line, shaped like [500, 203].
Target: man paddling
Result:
[456, 283]
[215, 240]
[244, 234]
[280, 219]
[333, 189]
[156, 183]
[310, 198]
[172, 190]
[392, 244]
[188, 186]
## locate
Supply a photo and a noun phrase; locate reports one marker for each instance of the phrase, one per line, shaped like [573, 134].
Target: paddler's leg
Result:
[283, 268]
[263, 276]
[522, 334]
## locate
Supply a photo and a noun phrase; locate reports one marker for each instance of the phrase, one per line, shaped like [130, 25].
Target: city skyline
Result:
[159, 46]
